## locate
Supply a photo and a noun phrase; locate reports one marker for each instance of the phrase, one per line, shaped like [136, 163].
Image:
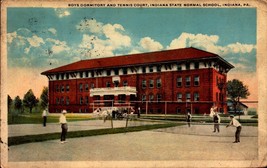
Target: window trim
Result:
[179, 83]
[186, 81]
[151, 83]
[144, 84]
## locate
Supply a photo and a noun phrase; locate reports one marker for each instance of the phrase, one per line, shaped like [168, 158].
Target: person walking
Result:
[188, 119]
[44, 115]
[216, 121]
[64, 126]
[238, 126]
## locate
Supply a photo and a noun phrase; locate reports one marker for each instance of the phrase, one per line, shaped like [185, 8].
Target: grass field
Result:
[74, 134]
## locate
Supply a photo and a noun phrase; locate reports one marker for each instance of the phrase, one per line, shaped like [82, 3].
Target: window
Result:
[108, 84]
[57, 88]
[158, 83]
[179, 82]
[62, 88]
[179, 67]
[86, 74]
[150, 68]
[62, 100]
[108, 72]
[86, 87]
[143, 98]
[81, 87]
[81, 100]
[196, 96]
[86, 100]
[122, 98]
[143, 69]
[67, 75]
[125, 83]
[116, 83]
[81, 74]
[188, 97]
[57, 101]
[67, 100]
[92, 86]
[178, 110]
[159, 97]
[151, 83]
[196, 65]
[196, 80]
[179, 97]
[124, 71]
[92, 74]
[67, 88]
[151, 97]
[187, 66]
[116, 71]
[143, 84]
[188, 81]
[57, 76]
[158, 68]
[62, 76]
[96, 98]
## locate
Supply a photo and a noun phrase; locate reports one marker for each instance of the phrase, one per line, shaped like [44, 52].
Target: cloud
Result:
[239, 48]
[62, 12]
[242, 56]
[188, 40]
[11, 36]
[52, 30]
[57, 45]
[35, 41]
[114, 33]
[92, 46]
[150, 45]
[101, 40]
[16, 39]
[90, 25]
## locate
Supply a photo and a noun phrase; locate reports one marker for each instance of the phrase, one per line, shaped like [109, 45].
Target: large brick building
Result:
[171, 81]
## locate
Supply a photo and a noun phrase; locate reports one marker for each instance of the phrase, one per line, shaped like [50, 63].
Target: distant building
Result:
[171, 81]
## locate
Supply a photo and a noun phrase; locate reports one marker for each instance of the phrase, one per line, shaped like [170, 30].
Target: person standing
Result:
[216, 120]
[44, 115]
[138, 112]
[238, 126]
[188, 119]
[64, 126]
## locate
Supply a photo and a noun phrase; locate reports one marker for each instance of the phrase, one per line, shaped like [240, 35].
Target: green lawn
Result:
[74, 134]
[36, 118]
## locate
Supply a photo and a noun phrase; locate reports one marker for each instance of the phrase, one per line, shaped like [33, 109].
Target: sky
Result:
[39, 39]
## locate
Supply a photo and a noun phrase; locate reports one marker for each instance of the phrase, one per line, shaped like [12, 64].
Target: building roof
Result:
[182, 54]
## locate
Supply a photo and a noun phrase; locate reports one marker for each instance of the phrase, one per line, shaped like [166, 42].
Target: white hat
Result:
[64, 111]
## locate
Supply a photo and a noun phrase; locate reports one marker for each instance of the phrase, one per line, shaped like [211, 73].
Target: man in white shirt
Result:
[64, 127]
[44, 115]
[188, 119]
[216, 120]
[238, 126]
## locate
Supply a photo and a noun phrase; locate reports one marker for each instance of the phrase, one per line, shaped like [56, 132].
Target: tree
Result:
[18, 103]
[235, 91]
[9, 102]
[44, 98]
[30, 100]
